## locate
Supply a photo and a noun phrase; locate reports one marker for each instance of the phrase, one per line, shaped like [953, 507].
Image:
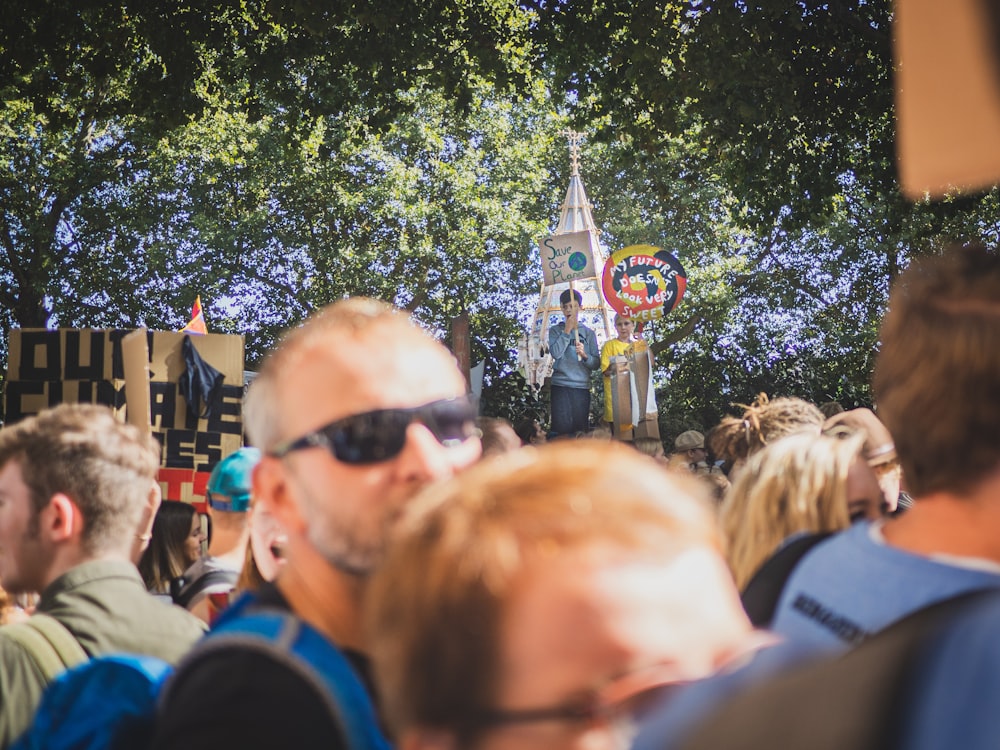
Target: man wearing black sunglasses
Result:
[354, 412]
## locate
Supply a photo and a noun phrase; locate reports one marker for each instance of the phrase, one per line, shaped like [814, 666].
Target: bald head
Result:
[332, 347]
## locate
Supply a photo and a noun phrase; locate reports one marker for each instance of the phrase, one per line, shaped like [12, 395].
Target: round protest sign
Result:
[643, 282]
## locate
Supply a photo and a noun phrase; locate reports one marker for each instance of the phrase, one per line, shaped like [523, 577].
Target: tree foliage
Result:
[90, 89]
[274, 156]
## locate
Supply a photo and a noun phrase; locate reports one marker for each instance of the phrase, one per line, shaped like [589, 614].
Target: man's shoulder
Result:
[15, 656]
[859, 554]
[851, 585]
[667, 724]
[262, 630]
[138, 623]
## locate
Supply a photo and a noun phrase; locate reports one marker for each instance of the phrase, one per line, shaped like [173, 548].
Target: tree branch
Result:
[681, 332]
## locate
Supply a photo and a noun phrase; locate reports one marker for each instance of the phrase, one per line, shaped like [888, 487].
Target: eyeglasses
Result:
[380, 435]
[630, 697]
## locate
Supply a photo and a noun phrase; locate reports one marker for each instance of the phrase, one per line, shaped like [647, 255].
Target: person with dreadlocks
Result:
[735, 439]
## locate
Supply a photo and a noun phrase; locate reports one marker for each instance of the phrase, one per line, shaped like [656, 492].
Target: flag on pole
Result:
[197, 324]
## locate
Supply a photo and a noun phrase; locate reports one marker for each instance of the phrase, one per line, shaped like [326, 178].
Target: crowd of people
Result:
[793, 577]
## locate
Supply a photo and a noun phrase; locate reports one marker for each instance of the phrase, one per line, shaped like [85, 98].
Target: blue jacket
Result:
[850, 586]
[569, 371]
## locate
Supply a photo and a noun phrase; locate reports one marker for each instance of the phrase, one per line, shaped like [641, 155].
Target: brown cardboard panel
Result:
[135, 360]
[41, 361]
[22, 398]
[111, 393]
[168, 410]
[947, 96]
[187, 462]
[34, 354]
[223, 352]
[65, 354]
[25, 398]
[90, 354]
[86, 354]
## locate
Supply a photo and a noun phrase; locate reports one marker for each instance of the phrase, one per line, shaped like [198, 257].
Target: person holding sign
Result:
[573, 346]
[629, 403]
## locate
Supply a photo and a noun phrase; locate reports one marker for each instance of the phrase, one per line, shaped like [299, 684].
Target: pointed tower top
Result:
[575, 214]
[575, 138]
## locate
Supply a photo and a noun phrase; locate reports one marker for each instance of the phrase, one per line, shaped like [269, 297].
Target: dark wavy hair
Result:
[164, 558]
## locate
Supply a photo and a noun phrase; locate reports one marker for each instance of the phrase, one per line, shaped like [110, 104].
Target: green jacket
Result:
[105, 605]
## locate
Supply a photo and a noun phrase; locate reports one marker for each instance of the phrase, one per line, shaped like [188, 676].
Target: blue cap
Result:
[229, 485]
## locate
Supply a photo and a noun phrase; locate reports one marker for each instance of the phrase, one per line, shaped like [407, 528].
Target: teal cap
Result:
[229, 486]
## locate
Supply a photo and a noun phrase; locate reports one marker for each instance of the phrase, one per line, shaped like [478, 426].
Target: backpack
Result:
[762, 593]
[184, 590]
[859, 700]
[50, 644]
[110, 702]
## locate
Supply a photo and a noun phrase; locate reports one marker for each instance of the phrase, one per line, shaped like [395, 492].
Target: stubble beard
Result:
[17, 585]
[344, 551]
[347, 549]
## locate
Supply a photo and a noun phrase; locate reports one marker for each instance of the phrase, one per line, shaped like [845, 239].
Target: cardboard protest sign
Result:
[633, 404]
[947, 60]
[566, 257]
[135, 361]
[109, 367]
[643, 282]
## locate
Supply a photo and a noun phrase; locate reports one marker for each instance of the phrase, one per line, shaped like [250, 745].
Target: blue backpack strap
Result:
[300, 647]
[108, 703]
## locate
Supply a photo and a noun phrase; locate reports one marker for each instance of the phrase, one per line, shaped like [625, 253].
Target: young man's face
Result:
[571, 309]
[21, 548]
[697, 455]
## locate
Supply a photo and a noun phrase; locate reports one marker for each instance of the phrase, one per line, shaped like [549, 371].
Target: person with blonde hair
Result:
[539, 598]
[627, 364]
[651, 447]
[800, 484]
[936, 385]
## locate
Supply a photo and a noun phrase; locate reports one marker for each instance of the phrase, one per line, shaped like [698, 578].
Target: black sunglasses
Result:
[380, 435]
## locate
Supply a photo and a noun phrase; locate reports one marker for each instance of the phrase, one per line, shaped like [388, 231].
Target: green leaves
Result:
[275, 156]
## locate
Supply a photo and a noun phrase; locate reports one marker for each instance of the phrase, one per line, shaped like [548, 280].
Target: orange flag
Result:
[197, 324]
